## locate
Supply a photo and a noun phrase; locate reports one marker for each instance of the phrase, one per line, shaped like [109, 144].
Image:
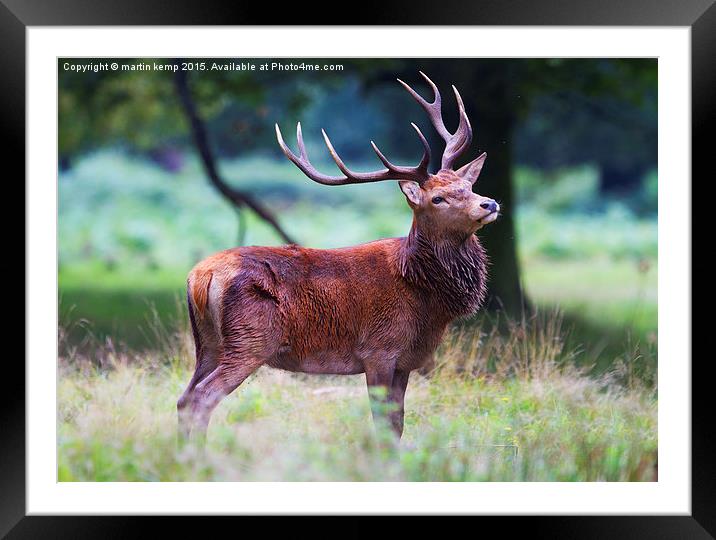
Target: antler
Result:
[419, 173]
[455, 143]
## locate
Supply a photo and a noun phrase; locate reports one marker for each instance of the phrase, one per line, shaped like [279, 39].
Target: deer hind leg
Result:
[219, 372]
[206, 342]
[206, 395]
[206, 363]
[244, 348]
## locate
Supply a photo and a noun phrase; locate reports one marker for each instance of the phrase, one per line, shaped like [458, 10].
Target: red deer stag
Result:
[378, 308]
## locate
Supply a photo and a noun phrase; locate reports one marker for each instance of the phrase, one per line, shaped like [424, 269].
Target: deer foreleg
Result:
[386, 388]
[397, 398]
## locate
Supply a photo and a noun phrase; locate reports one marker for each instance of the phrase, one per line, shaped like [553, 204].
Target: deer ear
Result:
[471, 171]
[411, 191]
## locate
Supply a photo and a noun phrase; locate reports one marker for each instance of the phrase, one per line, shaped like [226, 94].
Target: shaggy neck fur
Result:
[452, 268]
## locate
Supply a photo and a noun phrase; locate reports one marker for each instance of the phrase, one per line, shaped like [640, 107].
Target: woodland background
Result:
[158, 170]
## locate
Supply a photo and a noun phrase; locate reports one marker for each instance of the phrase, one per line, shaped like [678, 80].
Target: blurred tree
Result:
[239, 198]
[606, 115]
[131, 108]
[140, 108]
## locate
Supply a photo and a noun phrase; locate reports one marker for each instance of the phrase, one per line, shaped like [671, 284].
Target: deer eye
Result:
[438, 200]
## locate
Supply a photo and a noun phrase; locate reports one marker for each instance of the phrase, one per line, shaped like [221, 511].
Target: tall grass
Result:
[496, 406]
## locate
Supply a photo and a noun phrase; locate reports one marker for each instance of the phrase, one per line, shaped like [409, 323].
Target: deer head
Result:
[443, 202]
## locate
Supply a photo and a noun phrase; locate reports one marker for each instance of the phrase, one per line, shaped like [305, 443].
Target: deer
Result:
[378, 308]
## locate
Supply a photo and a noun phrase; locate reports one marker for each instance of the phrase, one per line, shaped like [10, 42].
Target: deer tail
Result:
[198, 290]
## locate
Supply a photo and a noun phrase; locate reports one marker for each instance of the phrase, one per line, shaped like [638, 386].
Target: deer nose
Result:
[490, 205]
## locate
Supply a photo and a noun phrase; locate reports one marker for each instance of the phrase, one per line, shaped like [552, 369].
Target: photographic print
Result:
[357, 269]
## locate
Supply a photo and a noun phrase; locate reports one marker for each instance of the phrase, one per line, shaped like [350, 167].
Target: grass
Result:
[495, 408]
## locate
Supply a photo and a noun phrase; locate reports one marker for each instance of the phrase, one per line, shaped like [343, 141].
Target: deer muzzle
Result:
[486, 212]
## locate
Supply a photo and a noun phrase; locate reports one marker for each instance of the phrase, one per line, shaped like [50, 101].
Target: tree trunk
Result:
[489, 97]
[504, 287]
[65, 163]
[614, 180]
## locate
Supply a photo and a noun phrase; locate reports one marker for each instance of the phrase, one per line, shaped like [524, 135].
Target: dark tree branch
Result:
[237, 197]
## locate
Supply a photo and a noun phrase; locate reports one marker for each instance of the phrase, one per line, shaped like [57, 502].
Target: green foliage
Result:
[135, 107]
[593, 77]
[139, 108]
[614, 235]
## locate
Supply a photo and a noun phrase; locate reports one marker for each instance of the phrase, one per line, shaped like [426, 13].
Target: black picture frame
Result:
[700, 15]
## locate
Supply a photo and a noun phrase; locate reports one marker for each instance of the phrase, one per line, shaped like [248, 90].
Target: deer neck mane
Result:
[452, 269]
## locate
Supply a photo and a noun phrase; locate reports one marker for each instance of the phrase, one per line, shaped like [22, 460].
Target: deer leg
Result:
[380, 382]
[397, 398]
[206, 353]
[206, 395]
[205, 365]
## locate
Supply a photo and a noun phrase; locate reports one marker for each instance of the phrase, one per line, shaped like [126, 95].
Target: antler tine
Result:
[455, 143]
[421, 168]
[461, 139]
[426, 148]
[299, 141]
[303, 163]
[339, 162]
[393, 172]
[433, 109]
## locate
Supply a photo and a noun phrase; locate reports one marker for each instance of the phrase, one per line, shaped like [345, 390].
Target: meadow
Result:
[495, 408]
[568, 394]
